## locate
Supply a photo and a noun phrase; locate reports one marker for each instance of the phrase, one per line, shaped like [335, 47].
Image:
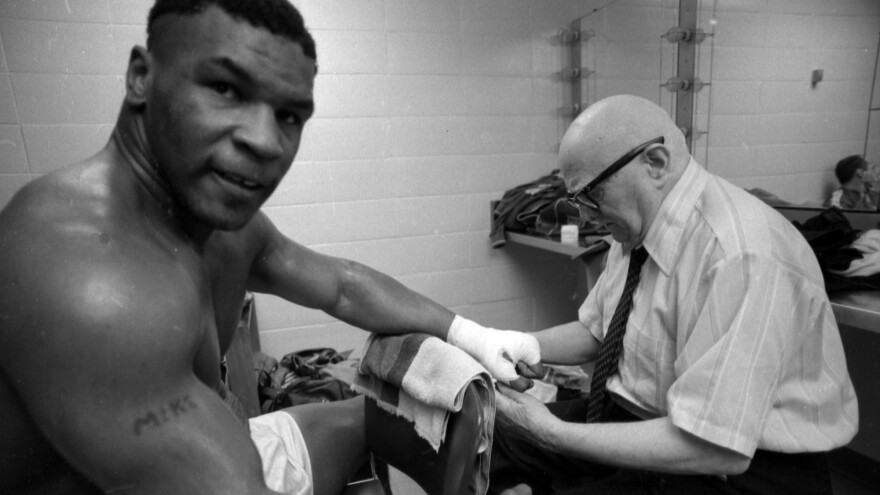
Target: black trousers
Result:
[514, 461]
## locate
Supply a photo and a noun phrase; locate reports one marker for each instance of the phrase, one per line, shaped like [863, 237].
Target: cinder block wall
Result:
[426, 111]
[768, 126]
[429, 109]
[760, 122]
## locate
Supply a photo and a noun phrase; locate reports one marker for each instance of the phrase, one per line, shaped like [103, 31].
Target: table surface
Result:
[858, 309]
[588, 245]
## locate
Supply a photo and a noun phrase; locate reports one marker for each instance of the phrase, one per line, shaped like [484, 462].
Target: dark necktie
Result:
[609, 353]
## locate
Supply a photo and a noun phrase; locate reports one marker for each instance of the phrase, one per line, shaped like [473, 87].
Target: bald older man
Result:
[731, 378]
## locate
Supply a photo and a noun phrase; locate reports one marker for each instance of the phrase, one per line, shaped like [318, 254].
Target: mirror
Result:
[782, 90]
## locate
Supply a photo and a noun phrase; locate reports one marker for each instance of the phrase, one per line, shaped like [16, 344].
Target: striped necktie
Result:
[609, 353]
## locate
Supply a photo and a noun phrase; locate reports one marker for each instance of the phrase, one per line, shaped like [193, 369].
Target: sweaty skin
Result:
[122, 279]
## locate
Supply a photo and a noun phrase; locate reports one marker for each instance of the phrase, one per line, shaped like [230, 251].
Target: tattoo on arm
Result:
[157, 417]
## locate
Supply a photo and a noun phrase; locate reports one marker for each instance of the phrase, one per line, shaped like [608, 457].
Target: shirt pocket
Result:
[647, 370]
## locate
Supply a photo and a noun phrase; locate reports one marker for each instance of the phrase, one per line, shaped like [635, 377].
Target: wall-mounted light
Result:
[680, 35]
[675, 84]
[569, 37]
[571, 73]
[571, 110]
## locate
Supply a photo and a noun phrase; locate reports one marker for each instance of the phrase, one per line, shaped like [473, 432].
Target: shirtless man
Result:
[122, 277]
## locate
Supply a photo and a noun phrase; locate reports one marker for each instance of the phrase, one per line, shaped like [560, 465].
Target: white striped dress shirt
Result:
[731, 334]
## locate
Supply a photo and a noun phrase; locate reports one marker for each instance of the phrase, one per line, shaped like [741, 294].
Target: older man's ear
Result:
[658, 158]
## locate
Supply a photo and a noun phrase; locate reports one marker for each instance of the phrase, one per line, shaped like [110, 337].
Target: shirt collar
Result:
[666, 235]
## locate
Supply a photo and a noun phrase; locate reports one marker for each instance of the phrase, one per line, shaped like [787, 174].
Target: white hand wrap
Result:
[497, 350]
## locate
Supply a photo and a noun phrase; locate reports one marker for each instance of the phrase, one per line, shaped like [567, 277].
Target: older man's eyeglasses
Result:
[584, 197]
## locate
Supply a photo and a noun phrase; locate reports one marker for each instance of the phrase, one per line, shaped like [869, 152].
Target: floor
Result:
[842, 484]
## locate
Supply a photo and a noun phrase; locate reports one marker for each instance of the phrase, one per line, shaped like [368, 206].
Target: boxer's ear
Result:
[137, 76]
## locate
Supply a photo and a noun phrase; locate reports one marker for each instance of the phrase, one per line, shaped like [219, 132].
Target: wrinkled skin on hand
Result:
[524, 416]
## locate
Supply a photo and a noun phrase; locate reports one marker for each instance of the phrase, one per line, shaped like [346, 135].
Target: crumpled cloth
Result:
[286, 463]
[868, 243]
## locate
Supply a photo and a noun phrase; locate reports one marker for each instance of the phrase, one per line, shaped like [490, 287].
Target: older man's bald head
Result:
[611, 127]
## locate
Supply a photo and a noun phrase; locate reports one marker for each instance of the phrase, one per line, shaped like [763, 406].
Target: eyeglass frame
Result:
[582, 198]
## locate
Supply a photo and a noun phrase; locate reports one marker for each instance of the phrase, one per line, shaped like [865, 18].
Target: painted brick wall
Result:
[768, 126]
[760, 122]
[429, 109]
[426, 111]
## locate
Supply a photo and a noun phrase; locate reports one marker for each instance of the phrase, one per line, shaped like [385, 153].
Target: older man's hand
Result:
[524, 416]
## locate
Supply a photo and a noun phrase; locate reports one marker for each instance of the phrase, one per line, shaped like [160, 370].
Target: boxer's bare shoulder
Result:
[103, 312]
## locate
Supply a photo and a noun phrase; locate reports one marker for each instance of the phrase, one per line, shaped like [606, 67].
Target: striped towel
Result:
[423, 379]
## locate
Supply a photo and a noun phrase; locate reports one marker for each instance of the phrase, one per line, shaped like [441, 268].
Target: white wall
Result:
[768, 127]
[760, 122]
[429, 109]
[426, 111]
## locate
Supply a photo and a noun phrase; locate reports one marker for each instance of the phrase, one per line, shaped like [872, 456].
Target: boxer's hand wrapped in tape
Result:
[497, 350]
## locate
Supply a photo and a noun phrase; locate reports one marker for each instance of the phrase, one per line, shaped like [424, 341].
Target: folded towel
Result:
[423, 379]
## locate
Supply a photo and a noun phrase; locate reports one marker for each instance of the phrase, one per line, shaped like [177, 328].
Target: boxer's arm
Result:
[371, 300]
[345, 289]
[100, 345]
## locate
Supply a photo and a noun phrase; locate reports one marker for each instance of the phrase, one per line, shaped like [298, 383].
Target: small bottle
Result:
[569, 235]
